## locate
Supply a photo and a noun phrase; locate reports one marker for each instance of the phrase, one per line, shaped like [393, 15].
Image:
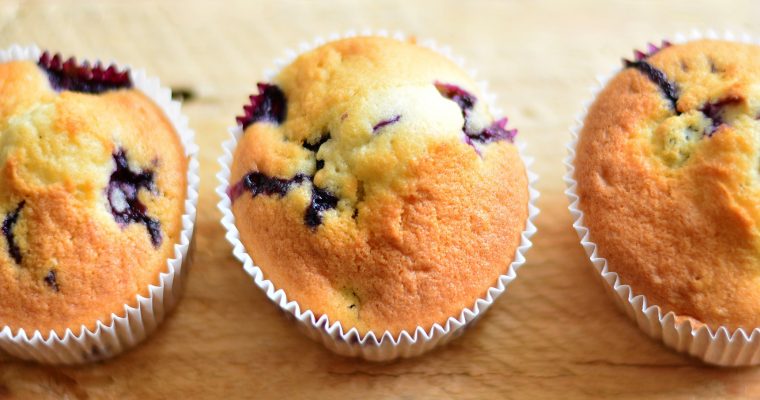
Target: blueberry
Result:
[269, 105]
[668, 88]
[8, 223]
[714, 111]
[260, 184]
[494, 133]
[652, 49]
[466, 101]
[68, 75]
[51, 280]
[463, 98]
[123, 188]
[315, 146]
[321, 200]
[386, 122]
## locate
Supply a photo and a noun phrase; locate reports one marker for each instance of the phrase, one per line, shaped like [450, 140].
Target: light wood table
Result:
[554, 334]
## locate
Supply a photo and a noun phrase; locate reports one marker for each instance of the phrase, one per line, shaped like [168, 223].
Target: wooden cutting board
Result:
[554, 334]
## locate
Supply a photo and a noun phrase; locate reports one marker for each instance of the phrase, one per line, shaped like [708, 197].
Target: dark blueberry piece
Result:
[668, 88]
[8, 223]
[639, 55]
[651, 50]
[154, 229]
[269, 105]
[494, 133]
[122, 191]
[321, 200]
[68, 75]
[463, 98]
[714, 111]
[236, 190]
[260, 184]
[315, 146]
[468, 140]
[385, 122]
[51, 280]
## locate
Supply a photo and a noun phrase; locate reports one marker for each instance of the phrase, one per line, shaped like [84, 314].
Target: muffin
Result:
[93, 182]
[667, 168]
[372, 185]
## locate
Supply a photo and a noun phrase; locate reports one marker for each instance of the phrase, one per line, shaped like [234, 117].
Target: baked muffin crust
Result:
[371, 184]
[92, 190]
[667, 166]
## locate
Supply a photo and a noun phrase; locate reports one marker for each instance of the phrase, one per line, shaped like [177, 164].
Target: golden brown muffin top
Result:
[667, 166]
[372, 185]
[92, 187]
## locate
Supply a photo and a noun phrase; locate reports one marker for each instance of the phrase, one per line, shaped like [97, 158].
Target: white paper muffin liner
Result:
[720, 346]
[372, 346]
[132, 324]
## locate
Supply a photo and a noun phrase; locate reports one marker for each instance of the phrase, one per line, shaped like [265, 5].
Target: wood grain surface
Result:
[554, 334]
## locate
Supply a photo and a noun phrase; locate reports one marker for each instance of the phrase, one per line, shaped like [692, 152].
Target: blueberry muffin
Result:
[668, 172]
[373, 186]
[92, 190]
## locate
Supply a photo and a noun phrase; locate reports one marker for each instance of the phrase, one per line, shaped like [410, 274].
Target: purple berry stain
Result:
[8, 223]
[51, 280]
[652, 49]
[466, 101]
[385, 122]
[496, 132]
[314, 147]
[714, 111]
[321, 201]
[668, 88]
[122, 191]
[68, 75]
[657, 76]
[258, 183]
[269, 106]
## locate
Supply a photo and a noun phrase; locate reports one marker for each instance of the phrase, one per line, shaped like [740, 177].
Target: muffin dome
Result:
[668, 169]
[92, 187]
[372, 185]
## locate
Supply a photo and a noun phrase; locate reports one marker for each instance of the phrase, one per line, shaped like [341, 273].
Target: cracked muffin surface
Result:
[372, 185]
[92, 190]
[668, 169]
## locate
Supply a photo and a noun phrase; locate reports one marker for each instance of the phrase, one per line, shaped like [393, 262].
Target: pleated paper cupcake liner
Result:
[349, 342]
[714, 345]
[132, 324]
